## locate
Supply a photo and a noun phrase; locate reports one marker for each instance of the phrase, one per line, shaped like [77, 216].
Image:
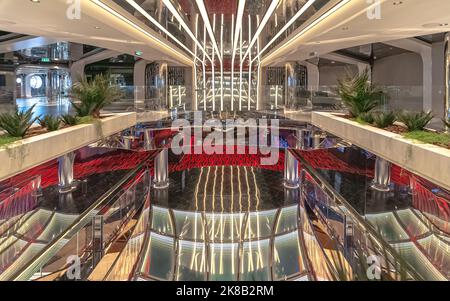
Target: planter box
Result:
[428, 161]
[27, 153]
[151, 116]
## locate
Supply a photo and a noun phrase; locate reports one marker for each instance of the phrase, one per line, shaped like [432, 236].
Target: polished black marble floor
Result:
[225, 189]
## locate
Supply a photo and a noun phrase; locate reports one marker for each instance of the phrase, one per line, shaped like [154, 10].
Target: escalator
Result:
[37, 244]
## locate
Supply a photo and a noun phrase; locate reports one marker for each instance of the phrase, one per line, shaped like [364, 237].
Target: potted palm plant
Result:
[358, 94]
[91, 96]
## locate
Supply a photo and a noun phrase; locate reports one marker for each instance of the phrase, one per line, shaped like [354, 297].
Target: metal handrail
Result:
[101, 202]
[356, 217]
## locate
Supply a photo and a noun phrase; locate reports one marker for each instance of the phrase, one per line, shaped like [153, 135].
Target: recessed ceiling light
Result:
[36, 1]
[97, 27]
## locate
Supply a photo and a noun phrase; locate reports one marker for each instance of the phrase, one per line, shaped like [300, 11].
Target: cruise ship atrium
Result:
[224, 140]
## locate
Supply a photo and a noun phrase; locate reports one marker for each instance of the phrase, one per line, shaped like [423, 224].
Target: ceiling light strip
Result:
[273, 6]
[307, 28]
[297, 15]
[157, 24]
[176, 14]
[237, 30]
[204, 14]
[137, 27]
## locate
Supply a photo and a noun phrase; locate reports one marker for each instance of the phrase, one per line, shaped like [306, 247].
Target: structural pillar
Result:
[139, 83]
[162, 169]
[148, 139]
[300, 139]
[291, 179]
[316, 140]
[382, 178]
[65, 172]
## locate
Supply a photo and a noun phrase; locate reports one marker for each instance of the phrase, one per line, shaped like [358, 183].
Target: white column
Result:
[382, 178]
[427, 61]
[290, 171]
[139, 82]
[313, 76]
[65, 171]
[162, 169]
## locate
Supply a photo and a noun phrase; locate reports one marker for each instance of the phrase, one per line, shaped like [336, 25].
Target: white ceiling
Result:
[96, 27]
[48, 19]
[397, 22]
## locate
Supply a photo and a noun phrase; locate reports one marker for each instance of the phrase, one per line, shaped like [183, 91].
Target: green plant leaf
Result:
[50, 122]
[18, 123]
[415, 121]
[70, 120]
[384, 119]
[358, 94]
[92, 96]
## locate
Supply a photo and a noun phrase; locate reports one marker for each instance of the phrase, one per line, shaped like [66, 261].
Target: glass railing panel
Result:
[36, 224]
[287, 220]
[288, 259]
[9, 255]
[260, 224]
[413, 225]
[59, 223]
[255, 261]
[387, 225]
[162, 221]
[224, 226]
[112, 210]
[316, 258]
[159, 260]
[438, 251]
[11, 226]
[189, 225]
[19, 199]
[127, 260]
[359, 238]
[191, 263]
[123, 268]
[419, 261]
[21, 245]
[223, 261]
